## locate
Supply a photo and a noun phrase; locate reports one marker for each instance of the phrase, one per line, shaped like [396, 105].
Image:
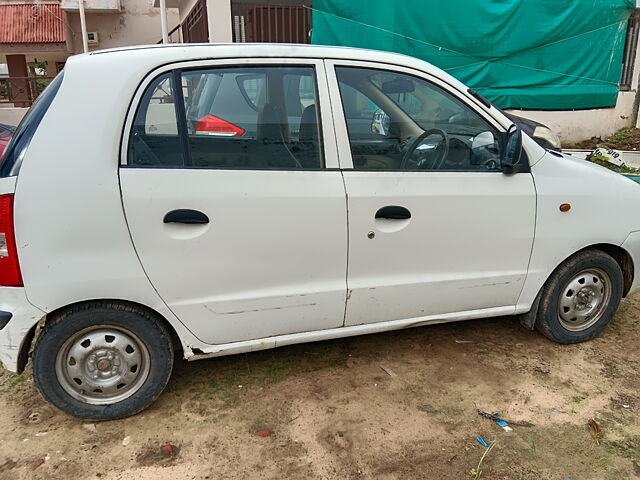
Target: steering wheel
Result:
[443, 151]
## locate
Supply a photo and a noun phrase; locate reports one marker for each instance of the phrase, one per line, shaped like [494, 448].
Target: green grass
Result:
[628, 447]
[426, 408]
[621, 135]
[604, 162]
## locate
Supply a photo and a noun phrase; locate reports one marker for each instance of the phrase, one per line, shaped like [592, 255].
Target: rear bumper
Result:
[24, 317]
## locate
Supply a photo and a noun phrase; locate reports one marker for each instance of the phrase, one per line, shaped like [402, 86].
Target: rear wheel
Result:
[102, 361]
[580, 298]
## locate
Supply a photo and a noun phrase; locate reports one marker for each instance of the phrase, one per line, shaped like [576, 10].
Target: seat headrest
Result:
[309, 125]
[271, 128]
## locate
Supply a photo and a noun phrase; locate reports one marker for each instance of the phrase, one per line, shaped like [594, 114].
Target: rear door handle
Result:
[190, 217]
[393, 212]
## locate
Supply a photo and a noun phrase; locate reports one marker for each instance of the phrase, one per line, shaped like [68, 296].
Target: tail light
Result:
[9, 267]
[212, 125]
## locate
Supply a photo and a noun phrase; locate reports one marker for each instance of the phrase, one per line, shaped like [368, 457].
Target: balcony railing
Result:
[22, 91]
[175, 35]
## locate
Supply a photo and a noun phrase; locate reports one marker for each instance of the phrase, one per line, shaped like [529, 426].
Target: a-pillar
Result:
[20, 91]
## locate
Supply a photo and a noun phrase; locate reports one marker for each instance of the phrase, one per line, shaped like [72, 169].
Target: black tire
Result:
[549, 321]
[125, 318]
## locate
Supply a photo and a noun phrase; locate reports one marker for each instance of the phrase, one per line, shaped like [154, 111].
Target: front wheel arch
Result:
[624, 260]
[580, 298]
[619, 254]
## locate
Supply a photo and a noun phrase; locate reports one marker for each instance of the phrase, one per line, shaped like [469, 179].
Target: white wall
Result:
[219, 13]
[576, 125]
[138, 24]
[11, 116]
[185, 7]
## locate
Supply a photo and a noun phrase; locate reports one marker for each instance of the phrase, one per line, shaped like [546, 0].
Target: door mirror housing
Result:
[513, 159]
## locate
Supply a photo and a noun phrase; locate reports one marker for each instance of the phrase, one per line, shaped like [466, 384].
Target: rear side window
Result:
[154, 139]
[262, 117]
[15, 151]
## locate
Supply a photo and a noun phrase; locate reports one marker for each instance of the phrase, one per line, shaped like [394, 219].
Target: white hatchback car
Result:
[218, 199]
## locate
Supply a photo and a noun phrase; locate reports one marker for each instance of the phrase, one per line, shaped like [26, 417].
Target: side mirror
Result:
[512, 153]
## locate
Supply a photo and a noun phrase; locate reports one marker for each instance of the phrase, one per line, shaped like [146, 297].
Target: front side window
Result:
[401, 122]
[262, 117]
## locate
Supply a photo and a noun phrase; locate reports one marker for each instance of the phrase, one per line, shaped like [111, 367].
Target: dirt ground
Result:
[332, 412]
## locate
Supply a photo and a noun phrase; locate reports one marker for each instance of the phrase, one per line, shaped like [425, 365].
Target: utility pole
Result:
[163, 21]
[83, 26]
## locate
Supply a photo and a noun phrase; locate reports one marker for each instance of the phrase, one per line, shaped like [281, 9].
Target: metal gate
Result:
[194, 27]
[630, 47]
[254, 22]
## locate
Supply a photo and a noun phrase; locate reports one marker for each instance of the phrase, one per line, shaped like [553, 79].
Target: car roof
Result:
[256, 49]
[112, 74]
[152, 56]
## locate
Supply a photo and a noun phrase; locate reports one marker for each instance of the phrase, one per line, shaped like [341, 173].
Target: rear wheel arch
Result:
[103, 360]
[28, 343]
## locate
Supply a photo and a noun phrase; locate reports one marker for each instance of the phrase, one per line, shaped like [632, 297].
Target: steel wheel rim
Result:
[584, 299]
[102, 365]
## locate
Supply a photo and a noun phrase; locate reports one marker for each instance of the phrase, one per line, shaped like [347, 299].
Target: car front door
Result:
[436, 230]
[234, 200]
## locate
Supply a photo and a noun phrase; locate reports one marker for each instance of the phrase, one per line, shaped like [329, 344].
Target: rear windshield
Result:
[14, 153]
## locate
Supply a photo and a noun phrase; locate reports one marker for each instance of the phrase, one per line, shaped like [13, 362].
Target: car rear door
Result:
[234, 199]
[442, 237]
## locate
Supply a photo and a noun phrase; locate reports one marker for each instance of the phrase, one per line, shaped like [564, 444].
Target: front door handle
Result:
[190, 217]
[393, 212]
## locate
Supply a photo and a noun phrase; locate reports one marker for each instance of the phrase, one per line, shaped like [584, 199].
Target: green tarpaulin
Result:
[532, 54]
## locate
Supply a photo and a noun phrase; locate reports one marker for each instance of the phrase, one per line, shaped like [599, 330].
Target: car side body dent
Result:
[348, 331]
[16, 336]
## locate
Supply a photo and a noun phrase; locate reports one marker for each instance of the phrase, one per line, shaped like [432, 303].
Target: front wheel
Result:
[580, 298]
[102, 361]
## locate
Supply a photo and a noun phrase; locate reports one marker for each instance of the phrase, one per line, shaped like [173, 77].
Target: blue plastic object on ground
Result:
[482, 442]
